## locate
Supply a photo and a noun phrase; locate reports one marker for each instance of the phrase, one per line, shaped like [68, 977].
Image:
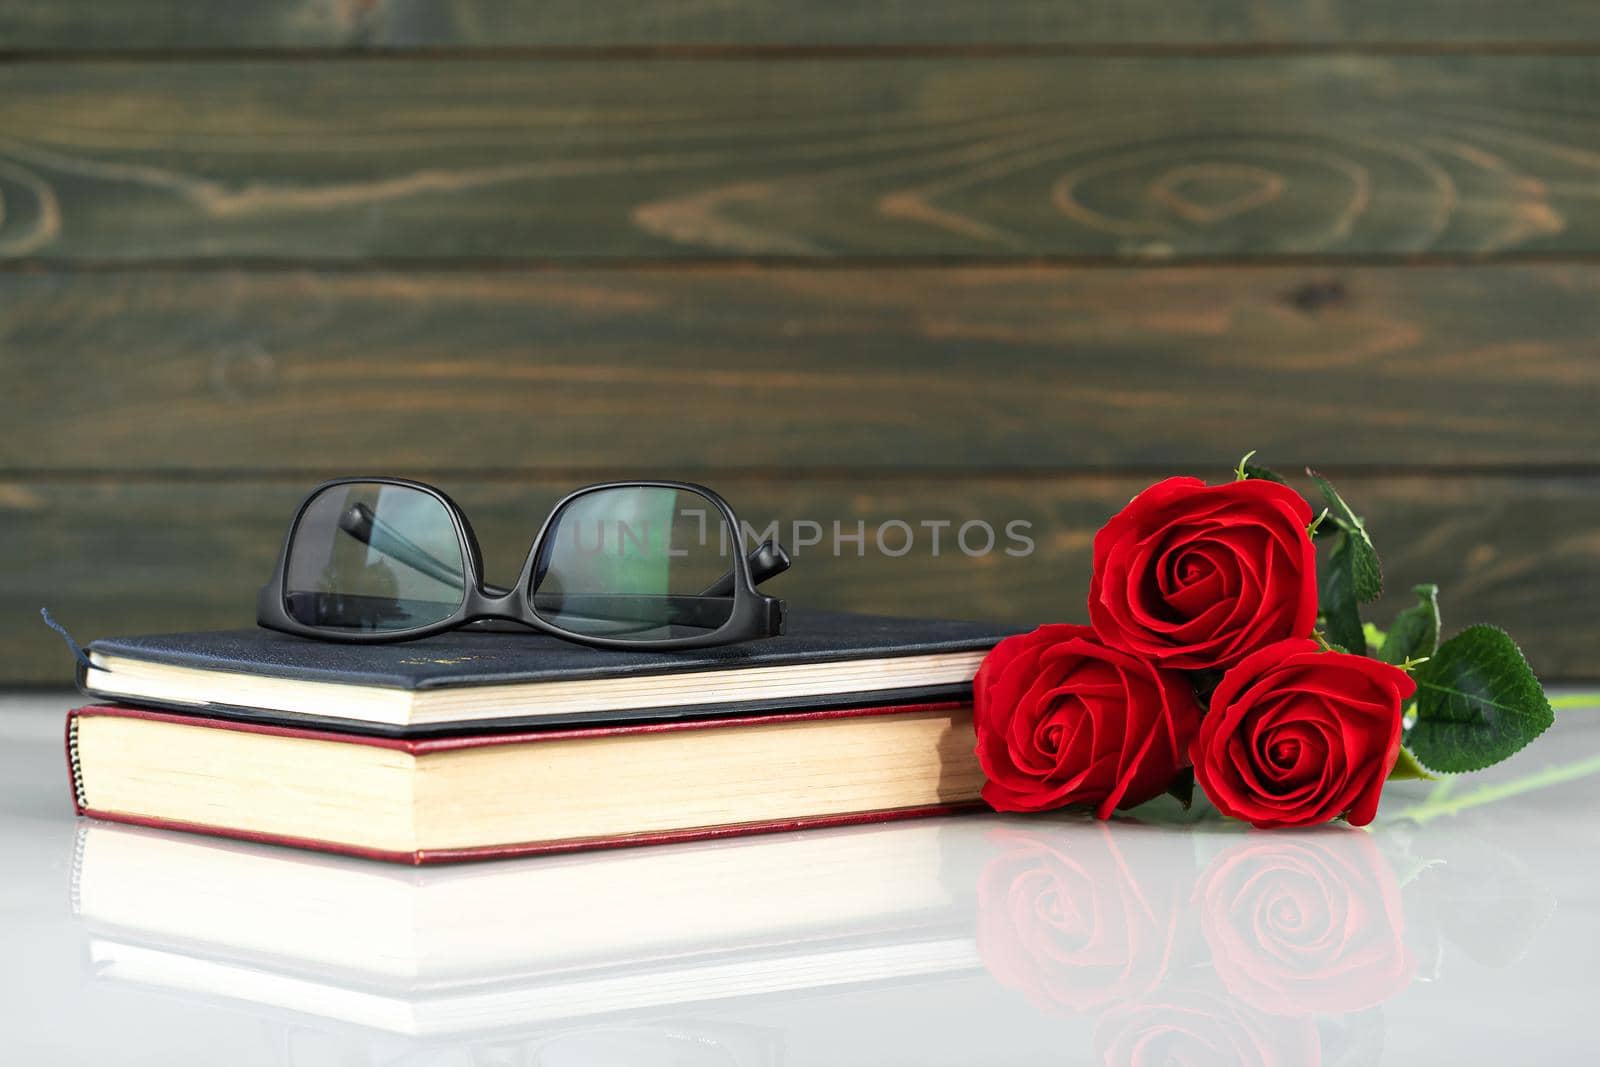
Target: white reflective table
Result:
[1463, 929]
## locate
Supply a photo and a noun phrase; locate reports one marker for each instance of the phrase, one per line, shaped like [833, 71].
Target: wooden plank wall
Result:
[931, 261]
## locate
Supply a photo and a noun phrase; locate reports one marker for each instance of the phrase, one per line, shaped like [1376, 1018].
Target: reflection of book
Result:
[538, 999]
[664, 1043]
[425, 952]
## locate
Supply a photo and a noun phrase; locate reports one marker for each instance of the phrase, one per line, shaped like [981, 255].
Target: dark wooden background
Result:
[945, 259]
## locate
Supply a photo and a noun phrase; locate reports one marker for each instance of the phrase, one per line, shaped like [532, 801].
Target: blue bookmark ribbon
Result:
[77, 650]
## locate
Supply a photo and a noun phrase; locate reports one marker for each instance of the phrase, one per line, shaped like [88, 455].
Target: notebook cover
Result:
[504, 657]
[423, 746]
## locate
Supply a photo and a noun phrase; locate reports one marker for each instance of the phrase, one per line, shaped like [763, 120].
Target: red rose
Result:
[1065, 918]
[1297, 736]
[1197, 576]
[1194, 1025]
[1062, 719]
[1309, 925]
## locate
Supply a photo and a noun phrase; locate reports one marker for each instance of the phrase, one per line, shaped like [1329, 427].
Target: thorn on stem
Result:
[1239, 474]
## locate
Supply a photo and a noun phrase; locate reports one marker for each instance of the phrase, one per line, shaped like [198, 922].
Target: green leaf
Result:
[1265, 474]
[1478, 702]
[1406, 768]
[1205, 683]
[1366, 568]
[1337, 600]
[1375, 637]
[1182, 788]
[1415, 631]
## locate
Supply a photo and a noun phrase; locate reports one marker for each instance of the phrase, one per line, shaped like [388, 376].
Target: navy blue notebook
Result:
[475, 680]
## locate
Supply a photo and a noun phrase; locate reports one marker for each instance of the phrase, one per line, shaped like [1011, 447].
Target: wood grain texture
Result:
[342, 24]
[112, 557]
[978, 369]
[1137, 158]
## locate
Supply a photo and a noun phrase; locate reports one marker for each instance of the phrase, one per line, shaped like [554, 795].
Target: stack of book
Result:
[478, 744]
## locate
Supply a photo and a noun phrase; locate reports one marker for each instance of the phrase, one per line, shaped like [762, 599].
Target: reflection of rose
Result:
[1196, 1026]
[1309, 925]
[1063, 919]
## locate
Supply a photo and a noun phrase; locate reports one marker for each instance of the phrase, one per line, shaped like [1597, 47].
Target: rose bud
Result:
[1191, 1023]
[1297, 736]
[1198, 576]
[1306, 925]
[1063, 719]
[1074, 920]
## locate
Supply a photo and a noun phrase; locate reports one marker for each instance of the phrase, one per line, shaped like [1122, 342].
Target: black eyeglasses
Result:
[618, 565]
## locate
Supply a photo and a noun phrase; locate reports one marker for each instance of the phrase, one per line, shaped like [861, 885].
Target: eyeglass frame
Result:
[753, 615]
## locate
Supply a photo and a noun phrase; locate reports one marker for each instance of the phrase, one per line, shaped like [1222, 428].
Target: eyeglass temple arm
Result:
[359, 521]
[767, 561]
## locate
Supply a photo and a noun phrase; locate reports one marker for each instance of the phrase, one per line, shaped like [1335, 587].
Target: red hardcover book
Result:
[444, 799]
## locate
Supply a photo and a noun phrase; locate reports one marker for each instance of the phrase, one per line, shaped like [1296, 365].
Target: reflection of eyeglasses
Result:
[618, 565]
